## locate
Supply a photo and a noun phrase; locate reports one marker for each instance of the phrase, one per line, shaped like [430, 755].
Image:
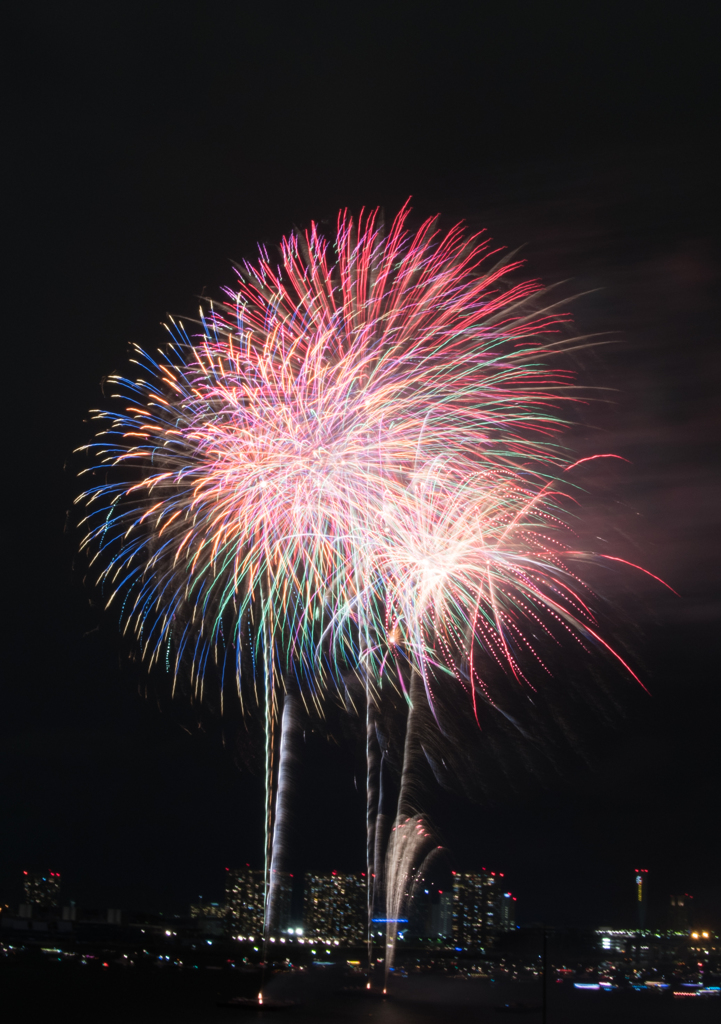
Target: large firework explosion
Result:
[350, 465]
[365, 418]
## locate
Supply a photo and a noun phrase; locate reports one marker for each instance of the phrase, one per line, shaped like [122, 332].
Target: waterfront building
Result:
[204, 908]
[678, 913]
[482, 912]
[440, 925]
[245, 900]
[42, 889]
[334, 908]
[506, 912]
[430, 915]
[617, 940]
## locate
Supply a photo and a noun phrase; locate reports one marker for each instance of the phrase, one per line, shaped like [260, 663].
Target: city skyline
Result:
[474, 911]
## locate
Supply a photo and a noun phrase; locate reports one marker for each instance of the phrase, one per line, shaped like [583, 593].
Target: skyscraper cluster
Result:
[474, 914]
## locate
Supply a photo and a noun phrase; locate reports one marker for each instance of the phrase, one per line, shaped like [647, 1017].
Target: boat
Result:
[259, 1004]
[517, 1007]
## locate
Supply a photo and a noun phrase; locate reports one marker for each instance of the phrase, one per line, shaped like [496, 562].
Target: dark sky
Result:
[147, 145]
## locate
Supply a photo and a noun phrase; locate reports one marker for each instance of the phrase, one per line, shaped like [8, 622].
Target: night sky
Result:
[147, 146]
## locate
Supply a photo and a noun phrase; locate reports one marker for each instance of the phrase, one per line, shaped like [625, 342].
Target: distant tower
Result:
[641, 896]
[42, 889]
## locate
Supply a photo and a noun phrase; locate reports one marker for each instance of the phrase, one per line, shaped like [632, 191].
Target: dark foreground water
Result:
[125, 997]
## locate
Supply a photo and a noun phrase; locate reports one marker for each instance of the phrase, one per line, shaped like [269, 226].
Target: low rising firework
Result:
[349, 466]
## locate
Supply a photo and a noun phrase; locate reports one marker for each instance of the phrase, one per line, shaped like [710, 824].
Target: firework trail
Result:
[411, 843]
[372, 801]
[349, 465]
[281, 823]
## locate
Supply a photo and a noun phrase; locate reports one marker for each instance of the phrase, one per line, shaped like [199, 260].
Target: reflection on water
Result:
[39, 994]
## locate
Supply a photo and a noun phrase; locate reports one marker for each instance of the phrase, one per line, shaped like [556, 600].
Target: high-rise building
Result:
[430, 915]
[481, 910]
[42, 889]
[641, 896]
[678, 912]
[470, 925]
[335, 907]
[506, 912]
[442, 916]
[245, 899]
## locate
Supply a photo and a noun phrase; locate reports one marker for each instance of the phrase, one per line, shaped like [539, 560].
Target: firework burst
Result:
[354, 441]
